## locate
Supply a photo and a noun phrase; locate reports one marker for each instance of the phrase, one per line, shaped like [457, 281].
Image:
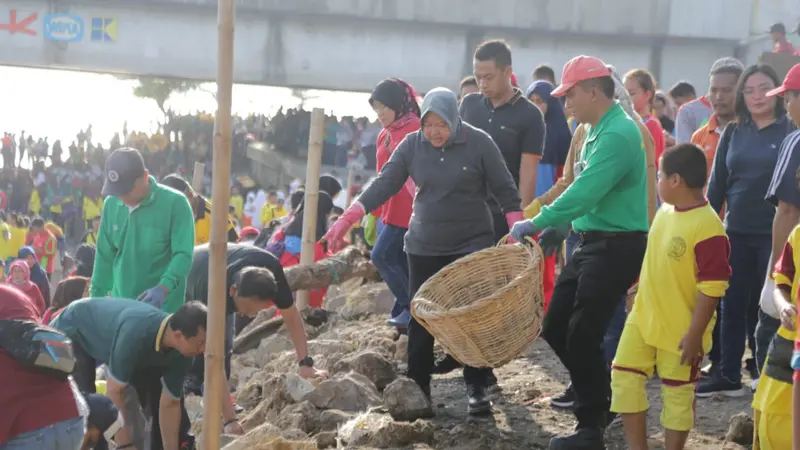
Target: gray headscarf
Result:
[621, 94]
[444, 103]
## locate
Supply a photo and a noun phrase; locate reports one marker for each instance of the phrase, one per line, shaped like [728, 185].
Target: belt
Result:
[600, 235]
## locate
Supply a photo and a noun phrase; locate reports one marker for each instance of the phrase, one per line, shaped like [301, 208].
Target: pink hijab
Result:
[26, 285]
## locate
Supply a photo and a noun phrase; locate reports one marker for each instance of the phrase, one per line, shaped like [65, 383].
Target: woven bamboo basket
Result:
[486, 308]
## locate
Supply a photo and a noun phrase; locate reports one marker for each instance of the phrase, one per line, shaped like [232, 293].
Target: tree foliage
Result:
[160, 89]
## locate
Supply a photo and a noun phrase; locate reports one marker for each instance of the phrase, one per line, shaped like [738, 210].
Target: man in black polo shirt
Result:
[255, 280]
[515, 124]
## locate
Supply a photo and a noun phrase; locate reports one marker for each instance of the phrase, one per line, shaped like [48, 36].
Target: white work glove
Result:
[767, 301]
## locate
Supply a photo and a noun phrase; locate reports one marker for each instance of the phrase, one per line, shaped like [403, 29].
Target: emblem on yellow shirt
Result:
[677, 247]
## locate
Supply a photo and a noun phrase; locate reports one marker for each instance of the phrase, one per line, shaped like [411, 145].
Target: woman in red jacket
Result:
[39, 410]
[395, 103]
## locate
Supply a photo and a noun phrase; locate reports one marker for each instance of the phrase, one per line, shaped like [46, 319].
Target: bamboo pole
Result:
[313, 164]
[215, 383]
[198, 177]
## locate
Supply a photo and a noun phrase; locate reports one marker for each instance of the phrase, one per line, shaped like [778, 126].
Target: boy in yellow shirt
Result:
[685, 272]
[273, 209]
[772, 402]
[237, 202]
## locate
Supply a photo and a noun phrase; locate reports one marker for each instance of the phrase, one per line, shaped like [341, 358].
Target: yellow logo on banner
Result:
[104, 29]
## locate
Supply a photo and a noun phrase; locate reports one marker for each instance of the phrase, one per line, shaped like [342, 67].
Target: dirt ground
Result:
[522, 419]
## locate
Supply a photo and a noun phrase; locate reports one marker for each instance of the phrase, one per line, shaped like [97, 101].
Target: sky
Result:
[59, 104]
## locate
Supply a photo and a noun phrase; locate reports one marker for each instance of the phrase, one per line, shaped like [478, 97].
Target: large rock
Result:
[302, 416]
[269, 437]
[271, 348]
[351, 392]
[298, 387]
[368, 299]
[378, 369]
[326, 439]
[276, 396]
[405, 400]
[241, 374]
[386, 347]
[740, 430]
[379, 430]
[332, 419]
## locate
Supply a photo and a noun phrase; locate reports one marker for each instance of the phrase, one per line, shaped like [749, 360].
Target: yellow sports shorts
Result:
[772, 431]
[634, 364]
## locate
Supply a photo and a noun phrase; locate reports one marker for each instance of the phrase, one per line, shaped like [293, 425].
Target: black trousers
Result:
[587, 293]
[148, 387]
[420, 342]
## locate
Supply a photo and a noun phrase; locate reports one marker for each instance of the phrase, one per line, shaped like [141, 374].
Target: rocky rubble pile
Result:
[364, 403]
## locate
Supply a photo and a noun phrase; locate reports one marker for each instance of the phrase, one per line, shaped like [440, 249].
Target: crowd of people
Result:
[679, 215]
[677, 212]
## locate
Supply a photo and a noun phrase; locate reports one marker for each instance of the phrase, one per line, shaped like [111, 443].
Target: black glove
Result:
[551, 239]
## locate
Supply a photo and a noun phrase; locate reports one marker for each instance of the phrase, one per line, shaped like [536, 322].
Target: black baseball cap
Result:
[103, 415]
[123, 167]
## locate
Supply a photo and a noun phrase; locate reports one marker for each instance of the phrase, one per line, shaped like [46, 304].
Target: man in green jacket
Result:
[607, 206]
[146, 237]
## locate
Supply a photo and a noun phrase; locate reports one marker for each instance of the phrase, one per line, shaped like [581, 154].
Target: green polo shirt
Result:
[609, 192]
[146, 246]
[126, 335]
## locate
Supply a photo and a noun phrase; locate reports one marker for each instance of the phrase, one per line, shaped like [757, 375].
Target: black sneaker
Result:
[565, 399]
[708, 371]
[582, 438]
[751, 368]
[478, 402]
[719, 385]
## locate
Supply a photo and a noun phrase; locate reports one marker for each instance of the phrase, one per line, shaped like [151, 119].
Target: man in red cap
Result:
[607, 207]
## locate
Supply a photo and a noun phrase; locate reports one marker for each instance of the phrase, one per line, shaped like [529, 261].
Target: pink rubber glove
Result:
[350, 217]
[512, 218]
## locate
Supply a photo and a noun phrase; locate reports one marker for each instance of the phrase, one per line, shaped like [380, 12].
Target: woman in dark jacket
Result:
[744, 163]
[455, 167]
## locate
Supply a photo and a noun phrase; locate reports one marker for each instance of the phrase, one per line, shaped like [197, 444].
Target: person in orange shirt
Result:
[45, 245]
[722, 95]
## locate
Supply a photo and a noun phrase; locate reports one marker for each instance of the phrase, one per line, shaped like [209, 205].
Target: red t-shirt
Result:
[654, 126]
[30, 400]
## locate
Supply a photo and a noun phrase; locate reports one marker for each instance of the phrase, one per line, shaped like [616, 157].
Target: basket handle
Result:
[504, 240]
[530, 245]
[431, 306]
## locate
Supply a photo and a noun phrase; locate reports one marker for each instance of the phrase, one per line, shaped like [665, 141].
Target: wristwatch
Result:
[306, 362]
